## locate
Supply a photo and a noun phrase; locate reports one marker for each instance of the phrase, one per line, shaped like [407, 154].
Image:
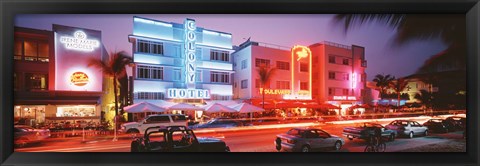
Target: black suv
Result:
[175, 139]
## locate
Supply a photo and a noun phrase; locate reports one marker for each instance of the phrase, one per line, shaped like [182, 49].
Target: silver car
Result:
[408, 128]
[307, 139]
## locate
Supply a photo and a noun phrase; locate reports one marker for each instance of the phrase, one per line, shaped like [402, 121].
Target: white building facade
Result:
[180, 62]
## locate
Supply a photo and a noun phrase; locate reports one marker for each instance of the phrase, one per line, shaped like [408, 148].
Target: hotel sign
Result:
[174, 93]
[190, 49]
[344, 98]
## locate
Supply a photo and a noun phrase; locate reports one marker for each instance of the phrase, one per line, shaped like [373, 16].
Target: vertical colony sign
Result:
[190, 67]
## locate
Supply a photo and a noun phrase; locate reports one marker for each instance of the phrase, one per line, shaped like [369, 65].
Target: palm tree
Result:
[383, 82]
[450, 28]
[115, 68]
[265, 74]
[425, 97]
[398, 86]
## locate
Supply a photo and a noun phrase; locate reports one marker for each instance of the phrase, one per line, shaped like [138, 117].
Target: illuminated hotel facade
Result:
[52, 80]
[180, 62]
[324, 72]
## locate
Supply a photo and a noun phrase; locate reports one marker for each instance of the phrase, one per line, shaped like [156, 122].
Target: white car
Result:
[152, 121]
[408, 128]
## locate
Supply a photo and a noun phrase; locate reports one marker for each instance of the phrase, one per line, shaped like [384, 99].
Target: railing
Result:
[268, 45]
[336, 45]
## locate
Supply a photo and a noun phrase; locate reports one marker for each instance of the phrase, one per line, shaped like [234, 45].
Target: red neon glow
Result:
[301, 52]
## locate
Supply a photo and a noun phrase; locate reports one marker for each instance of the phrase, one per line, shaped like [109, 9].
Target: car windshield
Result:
[25, 128]
[437, 120]
[296, 132]
[370, 125]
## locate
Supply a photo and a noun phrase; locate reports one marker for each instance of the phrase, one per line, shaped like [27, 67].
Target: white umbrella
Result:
[143, 107]
[184, 107]
[246, 108]
[215, 107]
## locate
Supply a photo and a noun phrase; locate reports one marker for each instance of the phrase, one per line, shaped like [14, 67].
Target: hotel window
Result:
[177, 74]
[149, 47]
[244, 64]
[31, 50]
[346, 76]
[346, 62]
[331, 91]
[198, 76]
[331, 59]
[345, 92]
[363, 77]
[244, 84]
[149, 95]
[283, 65]
[216, 55]
[331, 75]
[259, 62]
[220, 77]
[303, 85]
[303, 67]
[283, 84]
[36, 81]
[149, 72]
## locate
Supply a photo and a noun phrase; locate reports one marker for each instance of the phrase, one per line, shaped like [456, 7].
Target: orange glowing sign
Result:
[344, 98]
[299, 53]
[79, 79]
[275, 91]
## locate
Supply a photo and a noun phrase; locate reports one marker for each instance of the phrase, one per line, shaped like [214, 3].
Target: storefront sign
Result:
[300, 55]
[190, 49]
[79, 79]
[174, 93]
[79, 42]
[344, 98]
[275, 91]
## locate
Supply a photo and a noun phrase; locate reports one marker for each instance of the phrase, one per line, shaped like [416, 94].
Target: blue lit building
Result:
[180, 62]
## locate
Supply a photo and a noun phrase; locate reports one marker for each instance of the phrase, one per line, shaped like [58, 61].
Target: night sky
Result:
[285, 30]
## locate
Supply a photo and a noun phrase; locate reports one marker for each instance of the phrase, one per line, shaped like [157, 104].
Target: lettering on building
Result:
[79, 79]
[190, 48]
[79, 42]
[175, 93]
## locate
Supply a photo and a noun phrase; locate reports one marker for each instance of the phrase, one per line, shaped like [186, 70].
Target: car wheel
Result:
[392, 137]
[410, 135]
[338, 145]
[425, 133]
[134, 146]
[306, 148]
[278, 144]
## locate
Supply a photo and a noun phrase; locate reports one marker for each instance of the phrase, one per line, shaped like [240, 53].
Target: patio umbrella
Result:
[215, 107]
[184, 107]
[143, 107]
[330, 106]
[246, 108]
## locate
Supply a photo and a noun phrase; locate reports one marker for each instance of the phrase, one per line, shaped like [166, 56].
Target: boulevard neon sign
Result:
[79, 42]
[275, 91]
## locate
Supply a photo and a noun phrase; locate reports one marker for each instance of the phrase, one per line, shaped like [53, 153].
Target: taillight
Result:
[291, 141]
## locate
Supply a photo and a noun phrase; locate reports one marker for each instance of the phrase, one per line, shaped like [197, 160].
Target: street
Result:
[247, 140]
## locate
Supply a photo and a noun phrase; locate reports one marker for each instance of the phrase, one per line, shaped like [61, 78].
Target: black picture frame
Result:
[8, 9]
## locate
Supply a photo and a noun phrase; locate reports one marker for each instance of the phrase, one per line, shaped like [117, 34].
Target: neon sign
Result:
[190, 49]
[174, 93]
[299, 53]
[344, 98]
[79, 79]
[275, 91]
[79, 42]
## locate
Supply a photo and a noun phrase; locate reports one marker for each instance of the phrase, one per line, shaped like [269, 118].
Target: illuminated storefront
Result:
[180, 63]
[54, 83]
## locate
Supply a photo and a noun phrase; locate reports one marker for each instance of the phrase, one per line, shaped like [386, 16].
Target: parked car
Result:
[407, 128]
[219, 123]
[439, 125]
[307, 139]
[366, 130]
[176, 139]
[152, 121]
[24, 135]
[459, 122]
